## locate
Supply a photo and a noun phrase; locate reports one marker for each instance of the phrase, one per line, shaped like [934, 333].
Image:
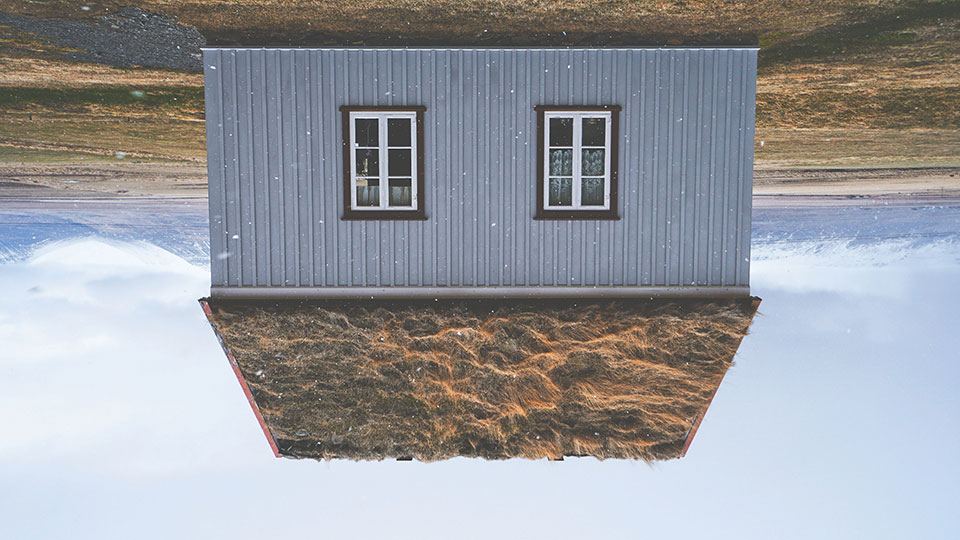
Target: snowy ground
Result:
[179, 226]
[121, 418]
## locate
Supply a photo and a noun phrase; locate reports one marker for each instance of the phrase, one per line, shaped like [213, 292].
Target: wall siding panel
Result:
[274, 163]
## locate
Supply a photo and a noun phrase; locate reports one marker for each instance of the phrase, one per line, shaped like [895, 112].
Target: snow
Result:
[119, 407]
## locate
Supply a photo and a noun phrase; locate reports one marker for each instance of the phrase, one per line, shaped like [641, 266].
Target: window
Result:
[577, 167]
[383, 163]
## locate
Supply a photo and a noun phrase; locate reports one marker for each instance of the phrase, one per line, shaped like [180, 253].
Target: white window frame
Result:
[383, 151]
[577, 116]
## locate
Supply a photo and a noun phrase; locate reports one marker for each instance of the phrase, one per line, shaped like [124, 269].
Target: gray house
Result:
[480, 172]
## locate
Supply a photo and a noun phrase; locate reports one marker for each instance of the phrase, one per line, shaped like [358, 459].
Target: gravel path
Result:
[783, 187]
[131, 37]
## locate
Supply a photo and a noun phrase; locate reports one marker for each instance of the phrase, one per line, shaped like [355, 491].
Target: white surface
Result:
[120, 418]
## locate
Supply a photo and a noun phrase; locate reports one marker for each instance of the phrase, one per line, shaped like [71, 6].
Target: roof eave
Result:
[243, 382]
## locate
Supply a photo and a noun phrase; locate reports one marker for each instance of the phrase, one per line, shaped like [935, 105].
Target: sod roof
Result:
[434, 380]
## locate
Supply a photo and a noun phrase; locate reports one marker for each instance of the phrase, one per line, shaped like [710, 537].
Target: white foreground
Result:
[120, 418]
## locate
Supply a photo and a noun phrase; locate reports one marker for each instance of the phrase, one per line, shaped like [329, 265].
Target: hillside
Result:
[846, 83]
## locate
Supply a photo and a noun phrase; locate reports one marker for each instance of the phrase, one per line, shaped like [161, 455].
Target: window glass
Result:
[561, 192]
[367, 132]
[401, 192]
[398, 132]
[368, 162]
[594, 131]
[591, 192]
[368, 192]
[561, 132]
[561, 162]
[591, 162]
[398, 162]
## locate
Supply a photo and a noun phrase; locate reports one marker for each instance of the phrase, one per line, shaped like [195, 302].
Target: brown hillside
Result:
[841, 83]
[517, 22]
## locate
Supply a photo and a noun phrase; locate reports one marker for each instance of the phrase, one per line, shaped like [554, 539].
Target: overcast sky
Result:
[120, 418]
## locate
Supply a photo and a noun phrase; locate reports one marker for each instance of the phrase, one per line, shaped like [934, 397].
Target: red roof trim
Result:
[699, 419]
[243, 382]
[696, 423]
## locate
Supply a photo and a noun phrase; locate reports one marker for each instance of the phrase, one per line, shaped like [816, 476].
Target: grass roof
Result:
[435, 380]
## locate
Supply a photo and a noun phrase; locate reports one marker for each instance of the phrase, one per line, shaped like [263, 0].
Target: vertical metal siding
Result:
[214, 125]
[275, 167]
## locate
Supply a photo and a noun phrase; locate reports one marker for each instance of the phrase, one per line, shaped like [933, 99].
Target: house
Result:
[491, 252]
[480, 172]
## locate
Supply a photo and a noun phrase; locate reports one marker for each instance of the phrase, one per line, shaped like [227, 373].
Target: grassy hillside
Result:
[896, 70]
[841, 83]
[104, 120]
[479, 21]
[882, 90]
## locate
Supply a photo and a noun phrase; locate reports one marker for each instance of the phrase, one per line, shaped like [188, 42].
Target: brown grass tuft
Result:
[624, 379]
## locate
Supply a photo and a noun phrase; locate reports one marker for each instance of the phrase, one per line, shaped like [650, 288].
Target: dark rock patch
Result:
[129, 38]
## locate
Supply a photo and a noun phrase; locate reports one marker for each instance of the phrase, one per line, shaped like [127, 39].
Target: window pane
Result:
[594, 131]
[398, 132]
[401, 193]
[398, 162]
[591, 162]
[591, 192]
[561, 192]
[368, 192]
[368, 162]
[367, 132]
[561, 132]
[561, 162]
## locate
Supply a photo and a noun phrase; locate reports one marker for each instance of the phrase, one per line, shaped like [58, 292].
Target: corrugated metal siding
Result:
[276, 172]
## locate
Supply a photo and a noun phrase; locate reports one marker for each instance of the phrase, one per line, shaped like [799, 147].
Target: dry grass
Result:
[903, 108]
[53, 105]
[900, 72]
[857, 148]
[105, 134]
[140, 121]
[58, 73]
[493, 380]
[878, 79]
[470, 21]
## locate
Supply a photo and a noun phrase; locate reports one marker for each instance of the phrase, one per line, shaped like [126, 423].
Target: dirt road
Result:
[772, 187]
[859, 187]
[98, 180]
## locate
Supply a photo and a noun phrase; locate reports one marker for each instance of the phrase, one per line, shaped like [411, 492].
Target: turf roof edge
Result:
[696, 423]
[204, 302]
[243, 382]
[683, 292]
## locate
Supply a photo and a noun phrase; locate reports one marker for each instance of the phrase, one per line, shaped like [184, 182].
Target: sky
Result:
[121, 418]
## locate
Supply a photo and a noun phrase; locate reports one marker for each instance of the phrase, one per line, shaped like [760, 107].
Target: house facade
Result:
[480, 172]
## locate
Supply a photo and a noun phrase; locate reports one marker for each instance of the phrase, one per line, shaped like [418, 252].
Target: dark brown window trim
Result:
[611, 214]
[380, 215]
